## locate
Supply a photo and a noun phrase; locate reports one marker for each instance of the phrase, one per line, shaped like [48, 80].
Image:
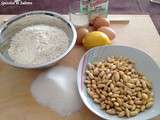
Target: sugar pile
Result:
[57, 89]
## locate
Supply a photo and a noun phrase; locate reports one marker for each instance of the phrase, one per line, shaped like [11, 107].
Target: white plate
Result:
[144, 63]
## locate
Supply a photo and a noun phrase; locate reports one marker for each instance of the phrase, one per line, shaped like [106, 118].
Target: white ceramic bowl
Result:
[15, 24]
[144, 63]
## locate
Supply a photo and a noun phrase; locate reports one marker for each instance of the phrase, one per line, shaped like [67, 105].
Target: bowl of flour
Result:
[36, 39]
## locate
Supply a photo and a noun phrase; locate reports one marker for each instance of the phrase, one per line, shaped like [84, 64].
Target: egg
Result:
[108, 31]
[101, 21]
[91, 22]
[92, 19]
[81, 32]
[91, 28]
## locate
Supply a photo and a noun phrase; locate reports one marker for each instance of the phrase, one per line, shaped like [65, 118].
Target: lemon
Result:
[96, 38]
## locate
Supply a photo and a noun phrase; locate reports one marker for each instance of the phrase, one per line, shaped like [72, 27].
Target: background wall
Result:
[115, 7]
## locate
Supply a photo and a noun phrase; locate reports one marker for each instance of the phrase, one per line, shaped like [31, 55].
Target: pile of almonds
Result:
[99, 23]
[118, 88]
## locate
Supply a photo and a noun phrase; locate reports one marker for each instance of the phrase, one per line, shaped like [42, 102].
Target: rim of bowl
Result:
[80, 79]
[52, 14]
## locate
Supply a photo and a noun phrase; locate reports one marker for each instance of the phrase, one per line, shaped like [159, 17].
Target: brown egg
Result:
[108, 31]
[93, 18]
[91, 22]
[100, 22]
[81, 32]
[91, 28]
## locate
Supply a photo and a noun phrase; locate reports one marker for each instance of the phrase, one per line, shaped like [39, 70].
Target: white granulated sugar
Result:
[57, 89]
[38, 44]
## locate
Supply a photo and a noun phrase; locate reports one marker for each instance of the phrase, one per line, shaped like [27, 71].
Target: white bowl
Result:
[144, 63]
[17, 23]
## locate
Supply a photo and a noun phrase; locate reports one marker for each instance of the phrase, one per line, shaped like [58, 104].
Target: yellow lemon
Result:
[96, 38]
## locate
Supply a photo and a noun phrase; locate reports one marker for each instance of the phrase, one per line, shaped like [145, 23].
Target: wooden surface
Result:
[115, 7]
[16, 102]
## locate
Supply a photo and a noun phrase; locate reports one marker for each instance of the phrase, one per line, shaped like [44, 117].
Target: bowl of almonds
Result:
[119, 82]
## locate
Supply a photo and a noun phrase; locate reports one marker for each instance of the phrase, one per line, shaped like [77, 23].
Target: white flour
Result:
[37, 44]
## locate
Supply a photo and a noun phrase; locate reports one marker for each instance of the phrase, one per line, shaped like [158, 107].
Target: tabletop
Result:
[16, 102]
[115, 7]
